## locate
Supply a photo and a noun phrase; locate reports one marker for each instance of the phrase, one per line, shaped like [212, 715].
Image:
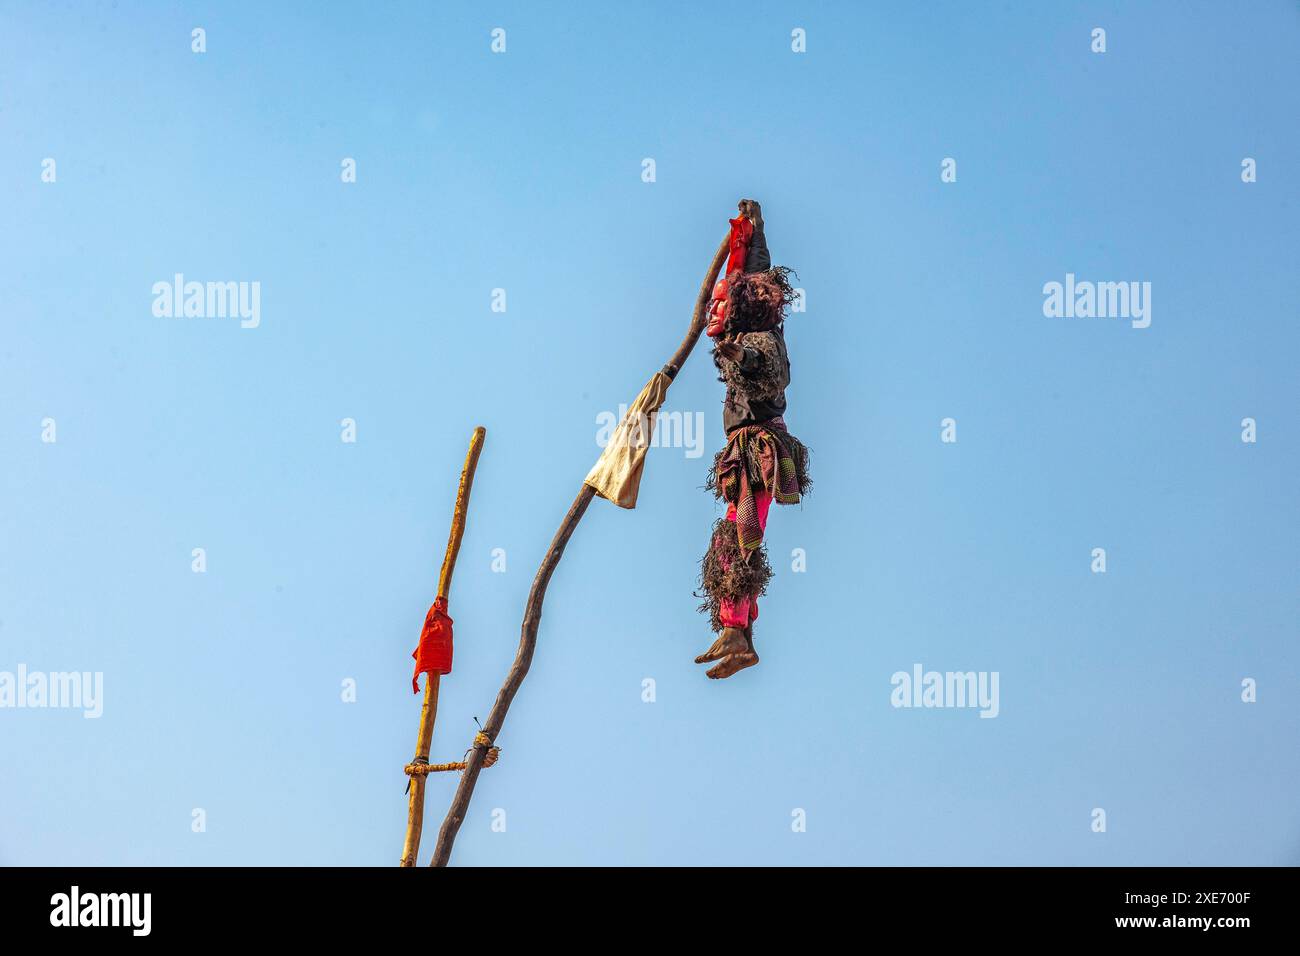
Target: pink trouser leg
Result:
[740, 613]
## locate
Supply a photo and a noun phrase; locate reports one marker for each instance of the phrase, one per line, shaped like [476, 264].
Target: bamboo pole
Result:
[533, 609]
[429, 710]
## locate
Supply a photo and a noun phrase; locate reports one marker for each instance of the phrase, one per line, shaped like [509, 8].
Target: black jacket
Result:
[756, 383]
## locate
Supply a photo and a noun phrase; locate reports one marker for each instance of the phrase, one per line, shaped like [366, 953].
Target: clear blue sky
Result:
[522, 171]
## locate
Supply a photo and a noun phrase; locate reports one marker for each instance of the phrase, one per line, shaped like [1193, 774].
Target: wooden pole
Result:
[533, 609]
[429, 711]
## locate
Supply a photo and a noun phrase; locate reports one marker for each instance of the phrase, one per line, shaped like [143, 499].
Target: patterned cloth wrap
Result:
[757, 456]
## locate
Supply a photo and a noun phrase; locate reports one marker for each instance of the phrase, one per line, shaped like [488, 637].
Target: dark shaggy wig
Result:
[756, 301]
[741, 578]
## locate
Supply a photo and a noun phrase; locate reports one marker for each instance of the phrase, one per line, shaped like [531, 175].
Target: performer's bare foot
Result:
[730, 641]
[733, 650]
[732, 663]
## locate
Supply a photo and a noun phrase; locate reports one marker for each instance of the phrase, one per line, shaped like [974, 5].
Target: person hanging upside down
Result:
[762, 462]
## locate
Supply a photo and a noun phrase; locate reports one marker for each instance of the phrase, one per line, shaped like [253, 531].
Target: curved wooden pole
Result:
[700, 316]
[429, 710]
[537, 594]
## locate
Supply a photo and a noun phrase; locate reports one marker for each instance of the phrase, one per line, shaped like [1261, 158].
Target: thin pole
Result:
[429, 710]
[533, 609]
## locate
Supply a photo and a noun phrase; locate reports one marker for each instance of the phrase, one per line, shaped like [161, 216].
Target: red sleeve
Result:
[742, 231]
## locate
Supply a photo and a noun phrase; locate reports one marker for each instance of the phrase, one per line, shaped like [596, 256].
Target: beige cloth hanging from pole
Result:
[616, 476]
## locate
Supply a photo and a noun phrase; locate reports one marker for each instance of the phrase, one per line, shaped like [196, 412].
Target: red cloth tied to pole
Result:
[433, 653]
